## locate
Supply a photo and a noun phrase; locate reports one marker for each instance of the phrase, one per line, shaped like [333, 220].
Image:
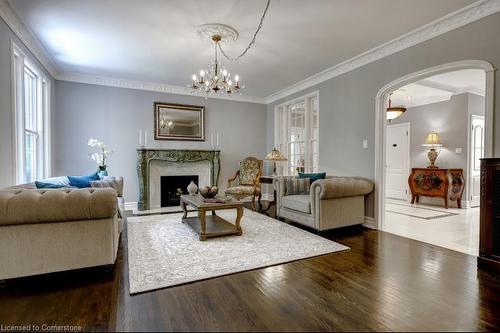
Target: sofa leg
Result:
[108, 268]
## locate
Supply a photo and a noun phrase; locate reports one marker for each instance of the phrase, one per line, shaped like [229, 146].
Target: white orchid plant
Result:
[100, 156]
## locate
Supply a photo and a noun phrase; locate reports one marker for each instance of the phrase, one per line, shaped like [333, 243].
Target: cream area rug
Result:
[164, 252]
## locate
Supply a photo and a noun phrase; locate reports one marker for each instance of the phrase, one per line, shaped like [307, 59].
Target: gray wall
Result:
[114, 115]
[347, 102]
[6, 143]
[451, 120]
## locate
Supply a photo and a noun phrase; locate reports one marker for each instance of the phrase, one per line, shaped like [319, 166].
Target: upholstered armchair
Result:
[245, 182]
[331, 203]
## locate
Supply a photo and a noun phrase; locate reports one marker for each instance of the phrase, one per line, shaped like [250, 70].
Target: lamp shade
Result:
[275, 155]
[432, 140]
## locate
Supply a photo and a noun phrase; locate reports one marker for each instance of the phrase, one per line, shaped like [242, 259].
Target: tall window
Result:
[31, 119]
[296, 134]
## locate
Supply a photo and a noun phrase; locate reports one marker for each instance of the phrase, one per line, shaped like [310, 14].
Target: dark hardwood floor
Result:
[385, 282]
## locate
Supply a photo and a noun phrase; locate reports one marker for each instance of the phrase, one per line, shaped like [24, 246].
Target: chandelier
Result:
[394, 112]
[216, 79]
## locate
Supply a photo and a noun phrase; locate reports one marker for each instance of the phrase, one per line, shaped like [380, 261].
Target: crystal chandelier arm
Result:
[253, 39]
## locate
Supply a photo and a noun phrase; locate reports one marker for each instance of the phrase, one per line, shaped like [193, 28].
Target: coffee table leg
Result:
[201, 217]
[239, 215]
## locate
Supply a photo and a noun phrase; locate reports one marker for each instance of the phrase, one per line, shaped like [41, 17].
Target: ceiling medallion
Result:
[227, 33]
[216, 79]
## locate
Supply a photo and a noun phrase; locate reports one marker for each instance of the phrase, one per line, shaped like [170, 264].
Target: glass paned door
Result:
[314, 136]
[296, 137]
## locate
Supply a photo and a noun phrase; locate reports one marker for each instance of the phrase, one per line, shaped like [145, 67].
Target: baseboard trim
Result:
[131, 205]
[370, 223]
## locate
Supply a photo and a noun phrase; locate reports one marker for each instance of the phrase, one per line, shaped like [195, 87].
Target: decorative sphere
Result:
[209, 192]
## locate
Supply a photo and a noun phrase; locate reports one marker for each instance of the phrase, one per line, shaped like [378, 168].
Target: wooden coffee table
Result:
[212, 225]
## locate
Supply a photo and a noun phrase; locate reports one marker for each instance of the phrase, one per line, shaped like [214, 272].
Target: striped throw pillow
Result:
[295, 185]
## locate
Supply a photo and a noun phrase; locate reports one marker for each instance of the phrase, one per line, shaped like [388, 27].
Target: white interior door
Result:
[398, 161]
[476, 152]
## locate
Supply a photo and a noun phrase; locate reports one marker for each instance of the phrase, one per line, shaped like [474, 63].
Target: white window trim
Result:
[279, 135]
[19, 60]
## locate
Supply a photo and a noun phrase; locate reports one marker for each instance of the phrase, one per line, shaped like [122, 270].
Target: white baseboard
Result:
[370, 222]
[132, 205]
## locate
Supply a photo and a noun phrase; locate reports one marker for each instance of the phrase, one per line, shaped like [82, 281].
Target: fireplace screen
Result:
[172, 187]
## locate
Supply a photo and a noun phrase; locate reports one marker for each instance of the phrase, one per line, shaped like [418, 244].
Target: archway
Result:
[381, 123]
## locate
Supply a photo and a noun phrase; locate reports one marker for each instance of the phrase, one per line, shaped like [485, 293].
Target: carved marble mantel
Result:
[145, 156]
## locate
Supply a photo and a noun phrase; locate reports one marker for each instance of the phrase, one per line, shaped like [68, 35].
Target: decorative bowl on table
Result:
[209, 192]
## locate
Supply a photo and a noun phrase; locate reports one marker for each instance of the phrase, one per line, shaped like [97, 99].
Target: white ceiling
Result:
[440, 87]
[156, 41]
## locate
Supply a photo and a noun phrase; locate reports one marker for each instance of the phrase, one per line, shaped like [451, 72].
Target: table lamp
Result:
[432, 142]
[275, 156]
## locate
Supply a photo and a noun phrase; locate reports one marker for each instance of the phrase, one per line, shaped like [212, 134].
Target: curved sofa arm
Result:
[341, 187]
[23, 206]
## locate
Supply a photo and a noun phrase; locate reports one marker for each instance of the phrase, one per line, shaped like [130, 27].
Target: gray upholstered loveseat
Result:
[333, 202]
[50, 230]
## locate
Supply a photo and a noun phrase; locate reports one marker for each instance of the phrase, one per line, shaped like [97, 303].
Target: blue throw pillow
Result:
[83, 181]
[48, 185]
[55, 182]
[313, 176]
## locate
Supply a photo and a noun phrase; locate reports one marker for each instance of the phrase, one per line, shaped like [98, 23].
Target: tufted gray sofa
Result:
[50, 230]
[333, 202]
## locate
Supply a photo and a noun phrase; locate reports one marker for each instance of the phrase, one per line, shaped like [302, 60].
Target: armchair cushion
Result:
[300, 202]
[295, 185]
[240, 190]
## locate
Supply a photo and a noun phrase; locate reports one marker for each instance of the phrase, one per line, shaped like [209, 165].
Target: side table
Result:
[266, 180]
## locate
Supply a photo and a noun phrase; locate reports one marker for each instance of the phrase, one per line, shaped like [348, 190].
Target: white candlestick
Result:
[217, 139]
[212, 139]
[140, 137]
[145, 137]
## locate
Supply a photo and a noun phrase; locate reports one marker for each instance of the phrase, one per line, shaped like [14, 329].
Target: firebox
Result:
[172, 187]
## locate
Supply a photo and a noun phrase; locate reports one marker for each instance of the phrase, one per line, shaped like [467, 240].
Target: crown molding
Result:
[449, 88]
[27, 37]
[427, 100]
[457, 19]
[148, 86]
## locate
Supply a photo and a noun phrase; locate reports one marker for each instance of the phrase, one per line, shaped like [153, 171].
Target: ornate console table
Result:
[444, 183]
[145, 156]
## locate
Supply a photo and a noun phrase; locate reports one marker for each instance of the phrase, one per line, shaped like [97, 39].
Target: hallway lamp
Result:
[432, 141]
[275, 156]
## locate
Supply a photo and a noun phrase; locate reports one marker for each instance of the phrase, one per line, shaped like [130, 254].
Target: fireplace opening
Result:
[172, 187]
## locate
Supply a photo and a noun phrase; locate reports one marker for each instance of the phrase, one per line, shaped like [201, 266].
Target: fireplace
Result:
[153, 164]
[172, 187]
